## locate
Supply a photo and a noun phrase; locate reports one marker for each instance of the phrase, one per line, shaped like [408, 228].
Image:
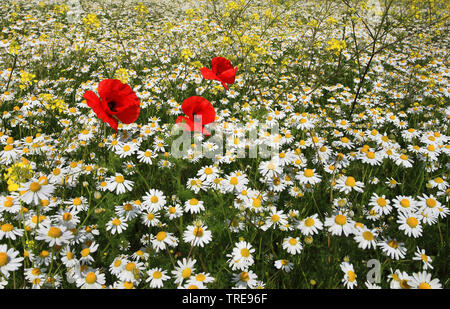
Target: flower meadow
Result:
[224, 144]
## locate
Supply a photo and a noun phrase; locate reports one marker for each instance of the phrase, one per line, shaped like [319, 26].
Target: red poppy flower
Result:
[199, 112]
[222, 70]
[117, 101]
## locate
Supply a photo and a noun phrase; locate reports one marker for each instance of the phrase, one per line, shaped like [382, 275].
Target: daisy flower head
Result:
[235, 182]
[284, 265]
[9, 260]
[276, 218]
[340, 223]
[197, 235]
[348, 184]
[174, 211]
[366, 238]
[423, 280]
[9, 231]
[292, 245]
[156, 277]
[154, 200]
[36, 190]
[163, 239]
[119, 184]
[244, 280]
[349, 279]
[184, 269]
[420, 255]
[92, 279]
[310, 225]
[116, 225]
[404, 204]
[308, 176]
[131, 271]
[241, 257]
[399, 280]
[194, 206]
[54, 234]
[128, 210]
[392, 248]
[410, 224]
[380, 204]
[428, 204]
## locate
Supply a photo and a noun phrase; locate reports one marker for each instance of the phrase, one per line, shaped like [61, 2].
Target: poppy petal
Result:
[228, 76]
[95, 103]
[208, 74]
[220, 64]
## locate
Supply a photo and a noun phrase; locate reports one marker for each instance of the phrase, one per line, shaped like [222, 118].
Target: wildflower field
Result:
[224, 144]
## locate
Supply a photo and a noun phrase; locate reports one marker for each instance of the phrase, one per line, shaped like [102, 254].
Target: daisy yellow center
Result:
[340, 219]
[393, 244]
[128, 285]
[381, 202]
[404, 157]
[157, 274]
[85, 252]
[130, 266]
[412, 222]
[148, 154]
[7, 227]
[126, 148]
[8, 148]
[234, 181]
[76, 201]
[424, 257]
[405, 203]
[293, 241]
[3, 259]
[245, 252]
[186, 273]
[67, 216]
[117, 263]
[154, 199]
[244, 276]
[127, 207]
[367, 235]
[150, 216]
[308, 173]
[256, 202]
[198, 232]
[116, 222]
[54, 232]
[350, 182]
[193, 201]
[424, 285]
[438, 180]
[208, 171]
[275, 218]
[431, 202]
[8, 203]
[119, 179]
[370, 155]
[35, 187]
[91, 278]
[36, 271]
[309, 222]
[351, 275]
[172, 210]
[161, 236]
[200, 277]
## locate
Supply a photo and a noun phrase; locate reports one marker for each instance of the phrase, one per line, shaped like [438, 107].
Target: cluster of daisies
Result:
[83, 207]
